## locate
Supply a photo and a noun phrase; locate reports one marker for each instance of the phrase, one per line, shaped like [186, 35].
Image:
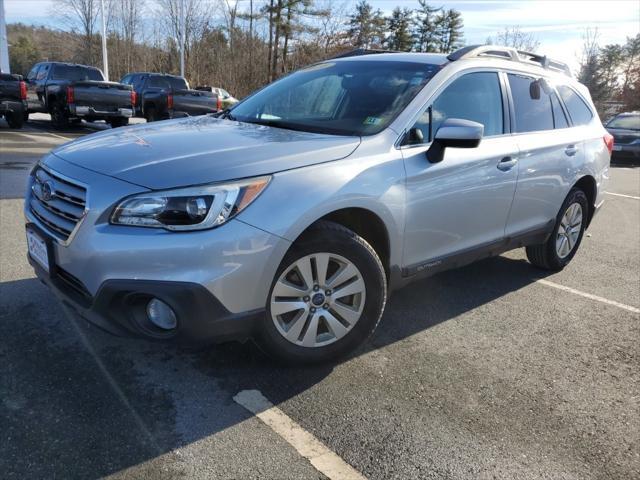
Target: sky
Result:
[558, 25]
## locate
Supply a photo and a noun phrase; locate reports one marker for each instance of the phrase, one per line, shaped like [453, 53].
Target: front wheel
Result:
[562, 245]
[327, 297]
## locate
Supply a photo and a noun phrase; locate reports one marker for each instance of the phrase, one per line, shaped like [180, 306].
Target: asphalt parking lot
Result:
[496, 370]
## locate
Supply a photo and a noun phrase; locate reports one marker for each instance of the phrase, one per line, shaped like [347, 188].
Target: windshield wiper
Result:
[224, 114]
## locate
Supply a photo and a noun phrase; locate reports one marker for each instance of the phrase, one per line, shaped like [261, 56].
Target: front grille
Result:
[624, 139]
[58, 203]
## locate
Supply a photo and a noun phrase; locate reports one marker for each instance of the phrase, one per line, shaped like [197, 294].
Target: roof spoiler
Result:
[511, 54]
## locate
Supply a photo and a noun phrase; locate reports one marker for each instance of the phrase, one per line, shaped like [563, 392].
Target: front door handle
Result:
[507, 163]
[571, 150]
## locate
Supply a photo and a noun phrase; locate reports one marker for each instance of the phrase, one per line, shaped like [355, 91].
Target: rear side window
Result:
[43, 71]
[531, 103]
[579, 112]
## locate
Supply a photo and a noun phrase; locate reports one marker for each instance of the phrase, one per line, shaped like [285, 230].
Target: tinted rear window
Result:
[76, 73]
[579, 112]
[532, 114]
[629, 122]
[172, 83]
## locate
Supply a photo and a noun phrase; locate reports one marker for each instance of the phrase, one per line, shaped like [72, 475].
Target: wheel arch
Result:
[367, 224]
[589, 186]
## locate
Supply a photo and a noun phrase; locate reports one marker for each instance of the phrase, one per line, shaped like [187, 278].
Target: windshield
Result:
[629, 122]
[76, 73]
[341, 98]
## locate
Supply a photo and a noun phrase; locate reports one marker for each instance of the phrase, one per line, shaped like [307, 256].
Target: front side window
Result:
[33, 73]
[532, 104]
[579, 112]
[42, 72]
[356, 97]
[474, 96]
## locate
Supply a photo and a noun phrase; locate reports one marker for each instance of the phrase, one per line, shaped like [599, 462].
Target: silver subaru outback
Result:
[289, 218]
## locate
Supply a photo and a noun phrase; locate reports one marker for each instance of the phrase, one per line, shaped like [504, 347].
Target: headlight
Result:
[192, 208]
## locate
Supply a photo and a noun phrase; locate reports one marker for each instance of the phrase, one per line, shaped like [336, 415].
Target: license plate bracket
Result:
[40, 248]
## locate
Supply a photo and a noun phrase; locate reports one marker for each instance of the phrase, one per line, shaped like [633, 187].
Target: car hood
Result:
[198, 150]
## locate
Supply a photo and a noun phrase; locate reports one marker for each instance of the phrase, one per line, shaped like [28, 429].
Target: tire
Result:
[59, 116]
[150, 114]
[118, 122]
[343, 250]
[553, 254]
[14, 119]
[25, 116]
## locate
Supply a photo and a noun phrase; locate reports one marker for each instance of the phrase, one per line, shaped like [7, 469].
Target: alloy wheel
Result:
[569, 230]
[317, 299]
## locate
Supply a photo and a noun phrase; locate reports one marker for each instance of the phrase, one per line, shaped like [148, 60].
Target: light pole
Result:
[105, 59]
[4, 42]
[182, 36]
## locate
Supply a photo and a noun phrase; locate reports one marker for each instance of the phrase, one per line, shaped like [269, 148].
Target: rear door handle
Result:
[507, 163]
[571, 150]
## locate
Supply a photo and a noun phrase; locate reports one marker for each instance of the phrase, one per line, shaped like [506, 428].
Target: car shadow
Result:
[77, 402]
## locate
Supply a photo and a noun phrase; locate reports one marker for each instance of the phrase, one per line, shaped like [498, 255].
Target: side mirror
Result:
[456, 133]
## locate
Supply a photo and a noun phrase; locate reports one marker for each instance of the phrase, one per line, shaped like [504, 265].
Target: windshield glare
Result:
[342, 98]
[629, 122]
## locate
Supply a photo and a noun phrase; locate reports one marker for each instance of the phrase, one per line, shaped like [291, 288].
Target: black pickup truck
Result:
[161, 96]
[13, 99]
[70, 91]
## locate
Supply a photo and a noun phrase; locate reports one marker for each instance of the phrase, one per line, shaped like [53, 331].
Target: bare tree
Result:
[515, 37]
[80, 15]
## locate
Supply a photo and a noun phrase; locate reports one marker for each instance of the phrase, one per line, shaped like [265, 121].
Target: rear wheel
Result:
[59, 116]
[14, 119]
[326, 299]
[25, 116]
[150, 114]
[562, 245]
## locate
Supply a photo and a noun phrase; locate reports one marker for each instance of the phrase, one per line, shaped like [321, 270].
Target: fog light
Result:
[161, 315]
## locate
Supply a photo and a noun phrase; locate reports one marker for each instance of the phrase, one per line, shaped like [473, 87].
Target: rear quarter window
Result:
[579, 112]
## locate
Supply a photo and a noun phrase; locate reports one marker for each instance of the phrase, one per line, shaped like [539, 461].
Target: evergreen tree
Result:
[427, 39]
[399, 27]
[449, 29]
[366, 26]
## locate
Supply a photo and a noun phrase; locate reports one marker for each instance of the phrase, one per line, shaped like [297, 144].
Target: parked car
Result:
[13, 99]
[290, 218]
[70, 91]
[161, 96]
[226, 99]
[625, 128]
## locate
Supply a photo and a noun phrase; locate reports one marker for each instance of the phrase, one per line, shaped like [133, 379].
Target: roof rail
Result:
[508, 53]
[364, 51]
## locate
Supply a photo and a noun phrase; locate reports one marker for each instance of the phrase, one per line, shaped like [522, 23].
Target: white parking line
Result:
[324, 460]
[622, 195]
[589, 296]
[60, 136]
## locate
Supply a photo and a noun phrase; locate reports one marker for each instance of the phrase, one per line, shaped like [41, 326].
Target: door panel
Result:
[460, 203]
[548, 161]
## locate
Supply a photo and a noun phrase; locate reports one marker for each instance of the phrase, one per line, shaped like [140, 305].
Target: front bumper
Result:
[626, 152]
[119, 307]
[216, 280]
